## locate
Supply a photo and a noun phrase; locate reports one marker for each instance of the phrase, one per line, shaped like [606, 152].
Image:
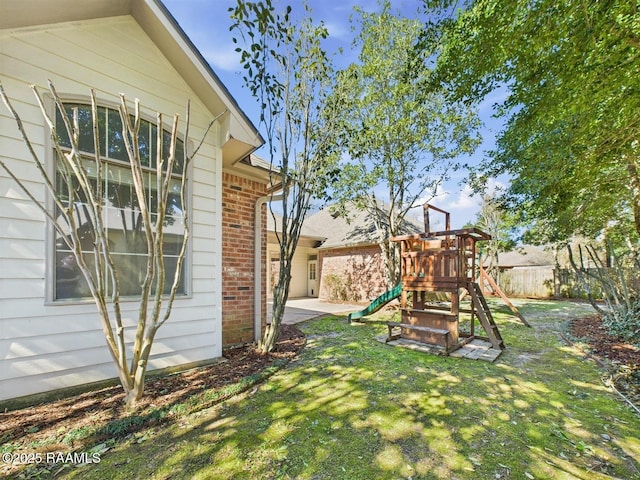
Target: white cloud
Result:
[462, 204]
[465, 198]
[495, 186]
[338, 30]
[223, 59]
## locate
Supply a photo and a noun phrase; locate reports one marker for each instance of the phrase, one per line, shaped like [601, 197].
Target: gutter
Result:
[257, 265]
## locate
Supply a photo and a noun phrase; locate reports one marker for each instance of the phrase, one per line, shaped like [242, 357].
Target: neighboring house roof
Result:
[239, 136]
[308, 235]
[526, 256]
[358, 229]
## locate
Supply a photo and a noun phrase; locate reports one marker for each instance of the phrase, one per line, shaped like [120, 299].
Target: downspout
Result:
[257, 265]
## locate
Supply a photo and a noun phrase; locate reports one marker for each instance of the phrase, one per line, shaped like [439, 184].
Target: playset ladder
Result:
[484, 315]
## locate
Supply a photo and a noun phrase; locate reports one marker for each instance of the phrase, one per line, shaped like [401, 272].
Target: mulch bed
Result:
[51, 423]
[620, 358]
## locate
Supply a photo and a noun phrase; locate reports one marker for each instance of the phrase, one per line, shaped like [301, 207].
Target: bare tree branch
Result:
[85, 202]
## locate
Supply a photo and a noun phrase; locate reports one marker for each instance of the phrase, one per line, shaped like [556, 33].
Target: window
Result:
[121, 214]
[312, 269]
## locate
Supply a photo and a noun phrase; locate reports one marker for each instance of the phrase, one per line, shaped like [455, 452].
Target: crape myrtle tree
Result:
[80, 206]
[290, 74]
[572, 137]
[401, 137]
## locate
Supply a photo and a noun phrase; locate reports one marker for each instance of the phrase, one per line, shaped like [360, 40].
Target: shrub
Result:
[624, 322]
[337, 288]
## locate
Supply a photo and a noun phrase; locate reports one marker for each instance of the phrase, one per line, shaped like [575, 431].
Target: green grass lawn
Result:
[353, 408]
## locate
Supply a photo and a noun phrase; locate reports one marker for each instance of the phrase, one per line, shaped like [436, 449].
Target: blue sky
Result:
[207, 23]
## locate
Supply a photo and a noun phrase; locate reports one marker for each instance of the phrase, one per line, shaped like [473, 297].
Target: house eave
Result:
[303, 241]
[185, 57]
[347, 245]
[158, 23]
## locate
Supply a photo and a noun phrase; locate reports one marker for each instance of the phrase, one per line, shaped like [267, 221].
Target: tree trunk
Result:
[634, 174]
[270, 337]
[280, 296]
[272, 330]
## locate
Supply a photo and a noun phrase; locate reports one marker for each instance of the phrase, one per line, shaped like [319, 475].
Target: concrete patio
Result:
[301, 309]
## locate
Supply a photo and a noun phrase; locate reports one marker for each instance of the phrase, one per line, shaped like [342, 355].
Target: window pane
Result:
[62, 188]
[125, 231]
[115, 143]
[121, 215]
[131, 270]
[61, 131]
[120, 190]
[152, 192]
[145, 141]
[84, 228]
[166, 144]
[154, 146]
[170, 265]
[85, 126]
[172, 239]
[70, 283]
[177, 167]
[174, 202]
[174, 220]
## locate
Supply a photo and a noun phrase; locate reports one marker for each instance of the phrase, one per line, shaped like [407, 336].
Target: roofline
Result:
[206, 65]
[349, 245]
[302, 235]
[163, 30]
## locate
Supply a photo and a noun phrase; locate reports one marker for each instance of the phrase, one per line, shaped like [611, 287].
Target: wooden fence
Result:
[542, 282]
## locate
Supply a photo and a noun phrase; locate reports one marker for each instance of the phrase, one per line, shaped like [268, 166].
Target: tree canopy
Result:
[400, 139]
[572, 137]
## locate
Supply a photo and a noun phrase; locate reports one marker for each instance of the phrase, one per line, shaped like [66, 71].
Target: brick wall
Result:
[352, 274]
[239, 196]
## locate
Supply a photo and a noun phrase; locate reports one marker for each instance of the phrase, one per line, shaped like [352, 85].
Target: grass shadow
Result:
[350, 407]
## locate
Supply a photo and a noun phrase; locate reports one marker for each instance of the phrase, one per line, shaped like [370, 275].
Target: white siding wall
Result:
[298, 286]
[44, 346]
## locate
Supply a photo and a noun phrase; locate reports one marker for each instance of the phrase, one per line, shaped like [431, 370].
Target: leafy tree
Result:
[572, 137]
[495, 221]
[290, 74]
[84, 197]
[401, 136]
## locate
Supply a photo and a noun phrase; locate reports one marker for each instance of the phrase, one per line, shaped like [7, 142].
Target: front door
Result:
[312, 278]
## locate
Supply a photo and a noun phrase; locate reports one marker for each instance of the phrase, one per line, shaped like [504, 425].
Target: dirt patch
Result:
[601, 343]
[620, 357]
[524, 358]
[54, 426]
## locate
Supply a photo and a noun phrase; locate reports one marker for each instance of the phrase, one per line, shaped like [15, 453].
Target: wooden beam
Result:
[485, 276]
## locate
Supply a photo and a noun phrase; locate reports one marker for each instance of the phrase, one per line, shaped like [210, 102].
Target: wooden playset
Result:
[441, 261]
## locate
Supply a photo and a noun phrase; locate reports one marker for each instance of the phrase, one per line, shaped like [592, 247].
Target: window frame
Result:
[50, 231]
